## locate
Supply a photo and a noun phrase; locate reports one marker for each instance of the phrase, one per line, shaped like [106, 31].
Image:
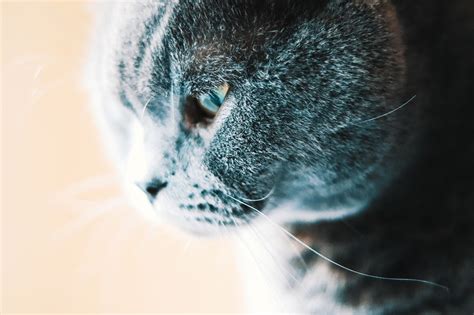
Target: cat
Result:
[346, 125]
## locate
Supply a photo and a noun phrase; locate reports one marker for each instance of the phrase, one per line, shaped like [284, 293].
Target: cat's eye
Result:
[211, 102]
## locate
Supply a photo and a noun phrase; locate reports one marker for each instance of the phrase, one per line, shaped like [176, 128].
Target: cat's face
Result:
[210, 105]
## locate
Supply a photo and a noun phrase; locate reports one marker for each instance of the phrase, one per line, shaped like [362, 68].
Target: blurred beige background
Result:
[70, 243]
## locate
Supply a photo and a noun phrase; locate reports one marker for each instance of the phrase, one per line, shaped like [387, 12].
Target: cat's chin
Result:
[197, 228]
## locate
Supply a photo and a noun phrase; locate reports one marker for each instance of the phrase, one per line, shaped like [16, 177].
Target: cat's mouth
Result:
[221, 216]
[246, 209]
[202, 208]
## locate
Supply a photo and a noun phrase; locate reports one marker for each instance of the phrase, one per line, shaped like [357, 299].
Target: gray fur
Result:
[306, 80]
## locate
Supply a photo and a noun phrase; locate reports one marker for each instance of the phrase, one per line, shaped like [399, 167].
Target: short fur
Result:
[310, 118]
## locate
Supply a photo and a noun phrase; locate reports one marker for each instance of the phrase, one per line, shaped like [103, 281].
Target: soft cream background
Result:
[69, 242]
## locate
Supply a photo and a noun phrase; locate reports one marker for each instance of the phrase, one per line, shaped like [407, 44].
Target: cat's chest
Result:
[264, 272]
[276, 279]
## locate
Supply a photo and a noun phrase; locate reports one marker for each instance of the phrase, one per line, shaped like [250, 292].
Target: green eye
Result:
[212, 101]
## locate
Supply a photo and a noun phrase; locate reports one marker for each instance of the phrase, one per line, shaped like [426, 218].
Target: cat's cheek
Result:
[208, 133]
[136, 171]
[136, 161]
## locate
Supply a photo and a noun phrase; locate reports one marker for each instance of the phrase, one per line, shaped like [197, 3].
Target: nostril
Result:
[153, 188]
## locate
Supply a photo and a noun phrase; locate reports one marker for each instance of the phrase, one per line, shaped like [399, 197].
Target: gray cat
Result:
[349, 123]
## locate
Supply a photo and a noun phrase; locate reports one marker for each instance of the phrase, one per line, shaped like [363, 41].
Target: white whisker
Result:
[145, 107]
[272, 256]
[88, 217]
[186, 247]
[332, 261]
[260, 199]
[38, 71]
[386, 114]
[268, 278]
[83, 186]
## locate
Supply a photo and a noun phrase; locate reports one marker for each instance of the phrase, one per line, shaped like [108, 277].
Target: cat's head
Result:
[210, 106]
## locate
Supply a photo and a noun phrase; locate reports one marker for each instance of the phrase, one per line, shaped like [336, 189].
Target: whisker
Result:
[38, 92]
[145, 107]
[266, 275]
[88, 217]
[83, 186]
[186, 247]
[386, 114]
[263, 271]
[272, 256]
[260, 199]
[299, 256]
[332, 261]
[282, 267]
[38, 71]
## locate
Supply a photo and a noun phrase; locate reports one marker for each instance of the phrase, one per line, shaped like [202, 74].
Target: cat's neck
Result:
[382, 244]
[281, 277]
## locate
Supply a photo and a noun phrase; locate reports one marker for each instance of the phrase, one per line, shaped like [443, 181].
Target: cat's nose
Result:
[152, 188]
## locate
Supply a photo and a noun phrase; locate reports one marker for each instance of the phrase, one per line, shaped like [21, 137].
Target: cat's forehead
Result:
[241, 23]
[221, 40]
[199, 45]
